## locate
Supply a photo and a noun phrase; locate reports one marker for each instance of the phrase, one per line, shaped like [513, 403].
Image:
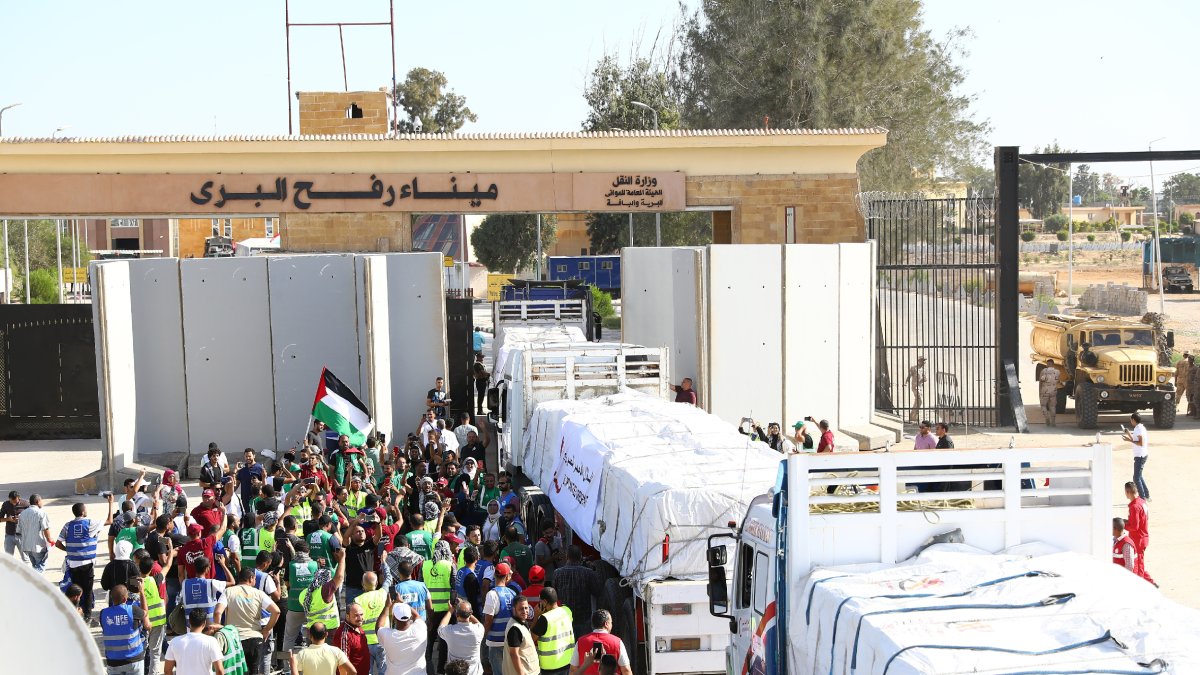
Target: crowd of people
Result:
[336, 558]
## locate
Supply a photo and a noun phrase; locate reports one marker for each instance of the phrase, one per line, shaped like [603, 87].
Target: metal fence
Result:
[936, 353]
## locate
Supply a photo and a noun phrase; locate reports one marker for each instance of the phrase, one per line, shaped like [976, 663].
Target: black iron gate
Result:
[937, 308]
[47, 372]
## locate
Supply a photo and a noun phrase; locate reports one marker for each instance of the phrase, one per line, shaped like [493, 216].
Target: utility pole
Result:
[658, 228]
[26, 262]
[7, 269]
[538, 262]
[631, 228]
[1162, 305]
[58, 226]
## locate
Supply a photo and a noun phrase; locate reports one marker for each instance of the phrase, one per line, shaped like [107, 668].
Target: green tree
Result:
[507, 242]
[430, 107]
[981, 180]
[42, 252]
[1181, 188]
[1054, 223]
[602, 303]
[609, 232]
[613, 87]
[1139, 196]
[829, 63]
[1043, 188]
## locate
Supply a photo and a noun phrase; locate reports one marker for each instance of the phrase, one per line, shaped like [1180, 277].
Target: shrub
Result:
[43, 287]
[1027, 235]
[612, 323]
[602, 303]
[1054, 223]
[1062, 236]
[1091, 237]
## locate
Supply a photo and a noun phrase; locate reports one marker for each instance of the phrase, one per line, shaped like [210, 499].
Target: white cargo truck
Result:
[1015, 579]
[548, 364]
[645, 482]
[535, 314]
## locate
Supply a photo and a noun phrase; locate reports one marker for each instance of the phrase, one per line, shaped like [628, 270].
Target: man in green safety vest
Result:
[319, 600]
[555, 638]
[300, 573]
[438, 575]
[372, 600]
[156, 612]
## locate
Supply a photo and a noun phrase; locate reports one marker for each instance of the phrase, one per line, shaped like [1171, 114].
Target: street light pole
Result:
[654, 112]
[7, 269]
[7, 107]
[26, 262]
[58, 226]
[1157, 242]
[538, 265]
[1070, 232]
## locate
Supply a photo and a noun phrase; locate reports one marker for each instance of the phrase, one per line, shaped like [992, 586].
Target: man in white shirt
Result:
[462, 638]
[194, 653]
[404, 645]
[463, 428]
[33, 529]
[1141, 452]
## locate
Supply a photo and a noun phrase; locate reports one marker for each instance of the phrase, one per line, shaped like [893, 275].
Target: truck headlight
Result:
[1162, 378]
[1099, 379]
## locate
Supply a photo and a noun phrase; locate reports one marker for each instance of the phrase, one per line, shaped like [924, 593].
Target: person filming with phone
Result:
[594, 646]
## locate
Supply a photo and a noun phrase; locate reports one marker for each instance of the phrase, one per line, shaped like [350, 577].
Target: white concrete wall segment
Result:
[158, 348]
[227, 353]
[113, 318]
[661, 300]
[745, 301]
[856, 333]
[417, 327]
[810, 332]
[375, 339]
[314, 325]
[44, 612]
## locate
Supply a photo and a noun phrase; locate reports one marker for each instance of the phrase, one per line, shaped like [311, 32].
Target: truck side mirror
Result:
[717, 556]
[718, 592]
[1170, 339]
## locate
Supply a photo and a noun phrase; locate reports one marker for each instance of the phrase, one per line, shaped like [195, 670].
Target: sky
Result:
[1091, 74]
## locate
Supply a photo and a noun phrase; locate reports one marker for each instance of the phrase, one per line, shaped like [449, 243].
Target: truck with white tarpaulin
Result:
[645, 481]
[1014, 575]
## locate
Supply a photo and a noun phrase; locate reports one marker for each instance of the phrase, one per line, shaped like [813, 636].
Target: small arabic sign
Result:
[635, 191]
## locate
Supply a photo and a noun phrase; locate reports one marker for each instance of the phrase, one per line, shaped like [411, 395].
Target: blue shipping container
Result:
[601, 271]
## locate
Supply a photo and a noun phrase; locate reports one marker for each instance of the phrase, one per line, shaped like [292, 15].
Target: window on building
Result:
[561, 269]
[584, 266]
[216, 227]
[606, 264]
[583, 251]
[354, 112]
[124, 222]
[269, 228]
[228, 227]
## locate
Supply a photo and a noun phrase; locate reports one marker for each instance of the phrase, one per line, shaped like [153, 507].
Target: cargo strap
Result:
[1004, 650]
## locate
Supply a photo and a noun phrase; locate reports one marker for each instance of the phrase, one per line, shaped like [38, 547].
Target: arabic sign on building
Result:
[575, 484]
[177, 194]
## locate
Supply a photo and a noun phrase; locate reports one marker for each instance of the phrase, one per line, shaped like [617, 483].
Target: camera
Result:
[105, 494]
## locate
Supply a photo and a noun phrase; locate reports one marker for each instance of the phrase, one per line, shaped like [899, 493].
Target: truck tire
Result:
[1164, 414]
[1060, 401]
[1086, 406]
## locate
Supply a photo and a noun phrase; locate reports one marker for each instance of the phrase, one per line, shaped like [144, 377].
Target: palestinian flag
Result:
[340, 409]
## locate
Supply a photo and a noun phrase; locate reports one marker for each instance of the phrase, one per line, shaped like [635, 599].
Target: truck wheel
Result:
[1164, 414]
[1060, 401]
[1086, 407]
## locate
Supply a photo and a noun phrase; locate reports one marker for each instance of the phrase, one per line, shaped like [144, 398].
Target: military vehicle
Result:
[1107, 364]
[1176, 279]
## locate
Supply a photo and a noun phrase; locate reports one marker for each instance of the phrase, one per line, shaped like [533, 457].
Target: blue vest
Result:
[260, 580]
[122, 635]
[199, 593]
[413, 593]
[481, 568]
[81, 545]
[459, 576]
[503, 614]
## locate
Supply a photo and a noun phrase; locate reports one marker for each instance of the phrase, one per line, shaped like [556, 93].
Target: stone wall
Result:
[824, 203]
[1118, 299]
[346, 232]
[328, 112]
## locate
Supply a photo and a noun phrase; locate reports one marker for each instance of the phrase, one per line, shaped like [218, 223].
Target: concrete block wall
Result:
[323, 112]
[824, 204]
[350, 232]
[1110, 298]
[246, 338]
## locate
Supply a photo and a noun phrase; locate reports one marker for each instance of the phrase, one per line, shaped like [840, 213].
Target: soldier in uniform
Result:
[1193, 387]
[1048, 390]
[1183, 373]
[915, 380]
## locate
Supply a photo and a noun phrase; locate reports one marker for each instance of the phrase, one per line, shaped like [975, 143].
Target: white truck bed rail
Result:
[539, 311]
[601, 368]
[998, 506]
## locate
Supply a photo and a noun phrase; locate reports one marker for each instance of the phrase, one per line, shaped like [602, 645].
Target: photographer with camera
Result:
[772, 436]
[806, 434]
[594, 646]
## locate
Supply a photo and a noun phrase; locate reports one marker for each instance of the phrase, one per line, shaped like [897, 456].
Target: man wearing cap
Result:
[537, 581]
[497, 612]
[199, 545]
[804, 435]
[404, 645]
[210, 513]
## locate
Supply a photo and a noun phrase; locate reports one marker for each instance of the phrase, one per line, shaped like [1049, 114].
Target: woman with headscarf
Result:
[491, 526]
[170, 490]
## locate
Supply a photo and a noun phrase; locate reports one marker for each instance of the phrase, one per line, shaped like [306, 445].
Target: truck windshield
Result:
[1106, 338]
[1139, 338]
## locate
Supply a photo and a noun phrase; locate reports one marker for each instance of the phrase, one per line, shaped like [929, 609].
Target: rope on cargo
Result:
[1155, 666]
[1048, 601]
[1005, 650]
[927, 507]
[812, 592]
[903, 596]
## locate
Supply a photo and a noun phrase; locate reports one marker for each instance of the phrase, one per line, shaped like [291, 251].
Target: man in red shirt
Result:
[1138, 527]
[826, 443]
[684, 392]
[352, 639]
[209, 514]
[197, 547]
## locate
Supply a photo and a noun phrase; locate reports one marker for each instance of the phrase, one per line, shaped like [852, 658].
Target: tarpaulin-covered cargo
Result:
[630, 472]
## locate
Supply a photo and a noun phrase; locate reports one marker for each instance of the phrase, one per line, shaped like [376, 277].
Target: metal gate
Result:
[937, 309]
[47, 372]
